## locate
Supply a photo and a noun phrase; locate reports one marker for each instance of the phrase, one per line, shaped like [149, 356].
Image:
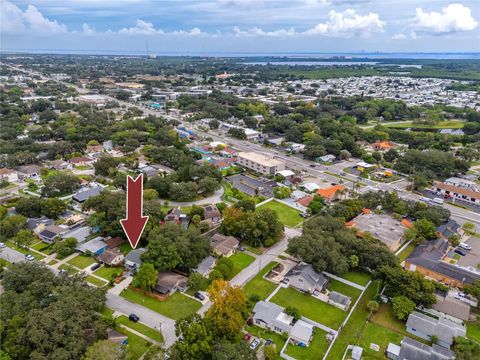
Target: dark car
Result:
[268, 342]
[95, 266]
[133, 317]
[199, 296]
[460, 252]
[312, 165]
[247, 337]
[241, 248]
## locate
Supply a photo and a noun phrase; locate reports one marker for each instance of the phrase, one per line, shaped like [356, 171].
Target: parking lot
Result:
[252, 186]
[472, 207]
[472, 257]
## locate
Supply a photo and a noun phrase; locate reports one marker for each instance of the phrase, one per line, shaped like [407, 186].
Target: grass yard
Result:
[108, 273]
[254, 250]
[240, 261]
[177, 306]
[353, 329]
[68, 268]
[373, 333]
[406, 252]
[360, 278]
[44, 248]
[259, 286]
[315, 351]
[82, 261]
[141, 328]
[12, 245]
[473, 331]
[310, 307]
[344, 289]
[125, 248]
[265, 335]
[95, 281]
[287, 215]
[447, 124]
[136, 346]
[52, 262]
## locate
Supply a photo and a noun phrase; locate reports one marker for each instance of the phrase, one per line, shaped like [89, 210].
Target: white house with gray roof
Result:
[414, 350]
[304, 278]
[426, 326]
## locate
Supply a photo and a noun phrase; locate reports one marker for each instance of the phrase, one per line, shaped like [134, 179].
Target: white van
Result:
[465, 246]
[438, 201]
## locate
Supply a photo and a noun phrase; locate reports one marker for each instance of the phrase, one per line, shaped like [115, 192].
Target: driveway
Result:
[147, 316]
[215, 198]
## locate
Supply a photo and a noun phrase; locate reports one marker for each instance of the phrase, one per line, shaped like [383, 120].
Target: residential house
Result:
[133, 259]
[410, 349]
[80, 234]
[448, 229]
[310, 187]
[212, 214]
[223, 245]
[452, 307]
[59, 165]
[326, 159]
[8, 175]
[168, 282]
[443, 328]
[38, 224]
[382, 145]
[81, 161]
[114, 242]
[176, 215]
[92, 149]
[304, 278]
[111, 257]
[429, 259]
[29, 171]
[270, 316]
[95, 246]
[51, 233]
[84, 194]
[331, 193]
[206, 266]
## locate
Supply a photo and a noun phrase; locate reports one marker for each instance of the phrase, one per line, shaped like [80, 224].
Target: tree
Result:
[293, 311]
[106, 165]
[270, 352]
[454, 239]
[195, 340]
[146, 277]
[208, 185]
[317, 204]
[473, 289]
[402, 307]
[104, 349]
[466, 349]
[150, 194]
[372, 306]
[469, 228]
[154, 352]
[425, 228]
[60, 184]
[65, 247]
[30, 207]
[52, 207]
[282, 192]
[197, 282]
[12, 225]
[354, 261]
[225, 316]
[24, 238]
[238, 350]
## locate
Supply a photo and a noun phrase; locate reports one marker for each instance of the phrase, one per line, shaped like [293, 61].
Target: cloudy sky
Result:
[241, 26]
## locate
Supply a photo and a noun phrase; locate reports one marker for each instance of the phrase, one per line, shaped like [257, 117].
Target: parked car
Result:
[2, 245]
[460, 252]
[312, 165]
[247, 337]
[438, 201]
[425, 199]
[268, 342]
[29, 257]
[95, 266]
[254, 344]
[241, 248]
[133, 317]
[199, 296]
[465, 246]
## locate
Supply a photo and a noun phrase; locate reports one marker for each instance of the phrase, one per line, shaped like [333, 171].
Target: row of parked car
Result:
[254, 342]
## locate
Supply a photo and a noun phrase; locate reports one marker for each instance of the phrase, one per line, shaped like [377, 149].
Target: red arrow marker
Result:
[135, 222]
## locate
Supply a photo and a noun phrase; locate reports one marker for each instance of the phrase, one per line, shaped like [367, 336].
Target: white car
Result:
[254, 344]
[465, 246]
[29, 257]
[2, 245]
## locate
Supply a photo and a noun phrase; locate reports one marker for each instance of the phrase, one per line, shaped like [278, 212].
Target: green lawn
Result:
[379, 335]
[95, 281]
[315, 351]
[11, 245]
[473, 331]
[82, 261]
[43, 247]
[287, 215]
[406, 252]
[175, 307]
[360, 278]
[136, 346]
[141, 328]
[125, 248]
[265, 335]
[240, 261]
[70, 269]
[310, 307]
[108, 273]
[52, 262]
[259, 286]
[344, 289]
[448, 124]
[353, 329]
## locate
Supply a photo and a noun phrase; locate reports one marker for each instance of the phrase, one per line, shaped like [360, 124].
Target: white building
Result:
[8, 175]
[260, 163]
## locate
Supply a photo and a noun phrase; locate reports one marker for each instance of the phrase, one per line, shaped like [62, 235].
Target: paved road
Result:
[215, 198]
[147, 316]
[11, 255]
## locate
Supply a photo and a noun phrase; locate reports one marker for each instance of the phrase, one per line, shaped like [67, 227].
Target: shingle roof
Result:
[309, 277]
[269, 313]
[414, 350]
[134, 255]
[81, 196]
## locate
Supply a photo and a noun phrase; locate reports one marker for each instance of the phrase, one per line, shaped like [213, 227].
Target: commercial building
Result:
[464, 190]
[260, 163]
[96, 100]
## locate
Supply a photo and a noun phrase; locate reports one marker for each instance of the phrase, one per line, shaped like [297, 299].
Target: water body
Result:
[313, 63]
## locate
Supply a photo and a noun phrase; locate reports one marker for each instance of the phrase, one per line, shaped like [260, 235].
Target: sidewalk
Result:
[122, 285]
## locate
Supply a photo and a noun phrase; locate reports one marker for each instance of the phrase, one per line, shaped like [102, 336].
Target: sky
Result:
[240, 26]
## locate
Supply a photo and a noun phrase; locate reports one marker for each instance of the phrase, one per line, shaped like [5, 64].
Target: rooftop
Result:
[260, 159]
[381, 226]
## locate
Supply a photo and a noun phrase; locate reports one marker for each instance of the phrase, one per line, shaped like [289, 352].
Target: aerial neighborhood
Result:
[290, 215]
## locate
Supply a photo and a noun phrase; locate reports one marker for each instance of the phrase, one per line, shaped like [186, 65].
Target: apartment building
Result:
[260, 163]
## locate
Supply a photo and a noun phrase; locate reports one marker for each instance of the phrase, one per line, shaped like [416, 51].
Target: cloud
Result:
[260, 32]
[87, 30]
[16, 21]
[453, 18]
[347, 24]
[399, 36]
[141, 28]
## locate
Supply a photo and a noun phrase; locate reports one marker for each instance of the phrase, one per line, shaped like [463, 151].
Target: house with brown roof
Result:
[114, 242]
[168, 282]
[330, 193]
[111, 257]
[81, 161]
[8, 175]
[29, 171]
[223, 245]
[457, 192]
[382, 145]
[212, 213]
